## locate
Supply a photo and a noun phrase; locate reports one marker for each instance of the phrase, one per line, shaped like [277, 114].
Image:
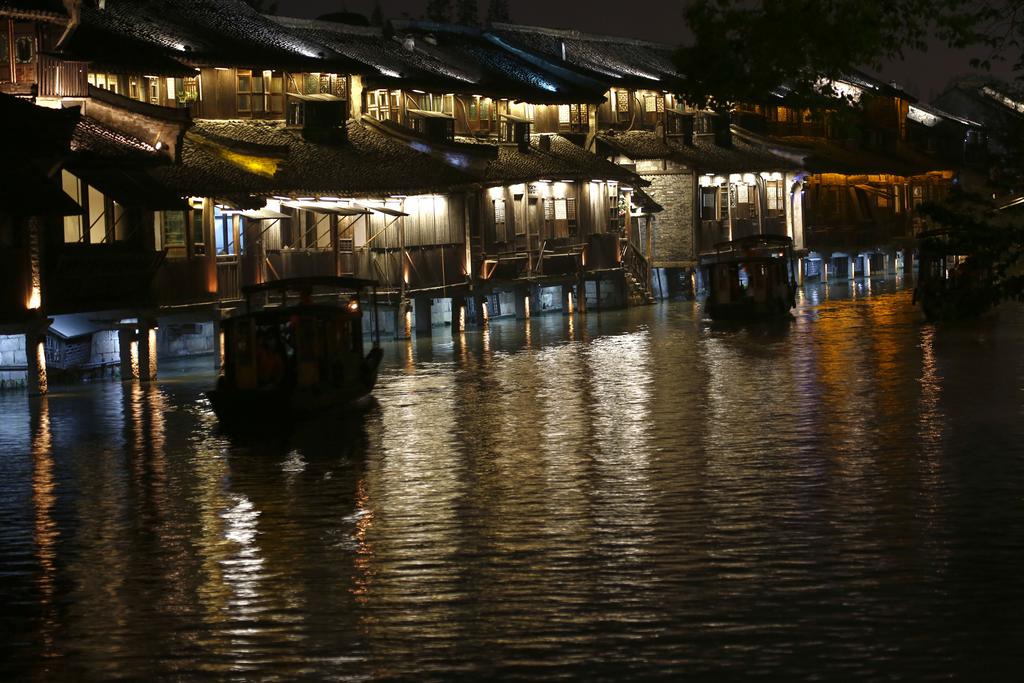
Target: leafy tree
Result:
[743, 49]
[467, 12]
[497, 10]
[439, 10]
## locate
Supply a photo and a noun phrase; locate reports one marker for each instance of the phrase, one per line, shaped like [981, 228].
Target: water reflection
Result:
[637, 494]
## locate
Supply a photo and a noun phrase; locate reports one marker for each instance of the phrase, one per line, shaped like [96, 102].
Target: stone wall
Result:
[12, 355]
[184, 341]
[672, 186]
[105, 348]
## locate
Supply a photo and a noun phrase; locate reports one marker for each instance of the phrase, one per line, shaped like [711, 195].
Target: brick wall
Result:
[672, 187]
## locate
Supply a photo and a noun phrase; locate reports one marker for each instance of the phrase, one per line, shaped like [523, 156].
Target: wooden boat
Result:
[950, 285]
[751, 277]
[290, 359]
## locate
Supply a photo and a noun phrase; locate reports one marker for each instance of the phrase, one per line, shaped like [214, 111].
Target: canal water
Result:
[638, 494]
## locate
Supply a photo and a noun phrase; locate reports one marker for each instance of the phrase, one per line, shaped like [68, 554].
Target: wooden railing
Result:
[636, 265]
[182, 281]
[289, 263]
[62, 78]
[228, 281]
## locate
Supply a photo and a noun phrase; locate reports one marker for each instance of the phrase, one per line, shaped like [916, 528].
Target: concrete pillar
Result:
[800, 266]
[424, 323]
[867, 266]
[522, 301]
[147, 350]
[129, 365]
[885, 264]
[851, 266]
[35, 357]
[567, 299]
[826, 261]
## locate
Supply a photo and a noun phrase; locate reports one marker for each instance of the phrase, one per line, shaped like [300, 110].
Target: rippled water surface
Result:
[636, 494]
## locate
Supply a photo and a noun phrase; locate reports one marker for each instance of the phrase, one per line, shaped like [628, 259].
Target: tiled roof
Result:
[386, 58]
[368, 165]
[41, 132]
[203, 32]
[42, 10]
[564, 160]
[704, 155]
[95, 140]
[637, 144]
[618, 61]
[503, 72]
[825, 156]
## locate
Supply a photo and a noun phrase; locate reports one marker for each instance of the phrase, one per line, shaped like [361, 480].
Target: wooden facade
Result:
[518, 125]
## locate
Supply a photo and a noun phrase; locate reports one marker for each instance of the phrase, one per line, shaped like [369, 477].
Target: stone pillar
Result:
[458, 304]
[129, 365]
[474, 311]
[35, 359]
[218, 345]
[401, 329]
[147, 350]
[424, 323]
[522, 301]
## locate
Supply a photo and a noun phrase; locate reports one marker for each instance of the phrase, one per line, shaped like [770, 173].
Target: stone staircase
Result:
[638, 274]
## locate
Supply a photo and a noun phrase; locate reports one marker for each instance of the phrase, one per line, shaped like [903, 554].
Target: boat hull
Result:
[267, 407]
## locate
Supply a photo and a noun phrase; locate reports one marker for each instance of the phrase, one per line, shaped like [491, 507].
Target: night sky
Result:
[923, 75]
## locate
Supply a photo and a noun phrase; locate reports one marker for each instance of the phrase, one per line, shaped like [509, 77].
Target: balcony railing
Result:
[229, 287]
[62, 78]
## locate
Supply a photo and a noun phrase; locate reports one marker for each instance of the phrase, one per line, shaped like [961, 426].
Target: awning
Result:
[135, 190]
[428, 114]
[385, 210]
[263, 215]
[320, 208]
[316, 97]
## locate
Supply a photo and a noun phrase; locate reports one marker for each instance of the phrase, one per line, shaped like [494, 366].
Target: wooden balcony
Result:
[289, 263]
[62, 78]
[861, 235]
[183, 281]
[229, 284]
[90, 277]
[712, 232]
